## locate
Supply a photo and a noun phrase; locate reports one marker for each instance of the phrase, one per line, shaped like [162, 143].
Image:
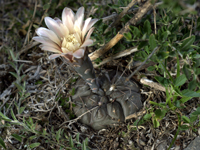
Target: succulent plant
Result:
[119, 101]
[105, 100]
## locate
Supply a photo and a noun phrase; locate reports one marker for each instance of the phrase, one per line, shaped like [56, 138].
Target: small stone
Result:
[142, 142]
[194, 145]
[83, 129]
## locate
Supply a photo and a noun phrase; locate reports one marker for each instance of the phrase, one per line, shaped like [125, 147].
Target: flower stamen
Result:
[70, 42]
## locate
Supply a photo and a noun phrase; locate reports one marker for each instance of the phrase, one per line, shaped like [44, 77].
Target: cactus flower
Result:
[68, 37]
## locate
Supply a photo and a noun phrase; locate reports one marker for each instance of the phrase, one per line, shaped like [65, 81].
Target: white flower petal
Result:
[54, 26]
[79, 53]
[71, 47]
[90, 24]
[46, 41]
[70, 25]
[89, 33]
[49, 48]
[66, 51]
[87, 21]
[55, 56]
[79, 17]
[77, 36]
[87, 43]
[67, 12]
[58, 20]
[77, 28]
[64, 29]
[44, 32]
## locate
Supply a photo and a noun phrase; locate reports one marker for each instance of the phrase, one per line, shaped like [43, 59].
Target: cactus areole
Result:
[104, 101]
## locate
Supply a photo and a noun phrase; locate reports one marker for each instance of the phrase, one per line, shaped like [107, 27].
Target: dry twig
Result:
[152, 84]
[118, 55]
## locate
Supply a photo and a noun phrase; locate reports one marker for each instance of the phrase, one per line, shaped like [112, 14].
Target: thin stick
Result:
[76, 119]
[134, 10]
[118, 55]
[121, 15]
[128, 78]
[138, 16]
[152, 84]
[154, 13]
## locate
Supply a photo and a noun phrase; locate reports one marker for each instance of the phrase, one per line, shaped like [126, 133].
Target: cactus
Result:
[105, 100]
[118, 100]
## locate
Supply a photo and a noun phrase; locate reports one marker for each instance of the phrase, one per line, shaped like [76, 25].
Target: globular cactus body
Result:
[100, 111]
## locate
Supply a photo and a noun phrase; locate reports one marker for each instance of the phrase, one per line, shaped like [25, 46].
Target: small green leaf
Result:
[19, 87]
[186, 71]
[157, 104]
[196, 112]
[190, 93]
[187, 43]
[163, 55]
[165, 35]
[4, 117]
[180, 80]
[46, 6]
[152, 42]
[185, 99]
[151, 68]
[156, 123]
[44, 132]
[128, 36]
[35, 26]
[193, 118]
[33, 145]
[160, 113]
[142, 44]
[32, 137]
[147, 116]
[58, 135]
[196, 56]
[72, 92]
[77, 137]
[20, 67]
[71, 143]
[14, 74]
[147, 27]
[186, 119]
[135, 31]
[184, 127]
[197, 71]
[84, 145]
[192, 85]
[21, 109]
[165, 82]
[13, 115]
[17, 137]
[2, 143]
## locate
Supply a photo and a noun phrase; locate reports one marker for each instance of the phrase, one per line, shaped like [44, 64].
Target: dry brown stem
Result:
[138, 16]
[152, 84]
[118, 55]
